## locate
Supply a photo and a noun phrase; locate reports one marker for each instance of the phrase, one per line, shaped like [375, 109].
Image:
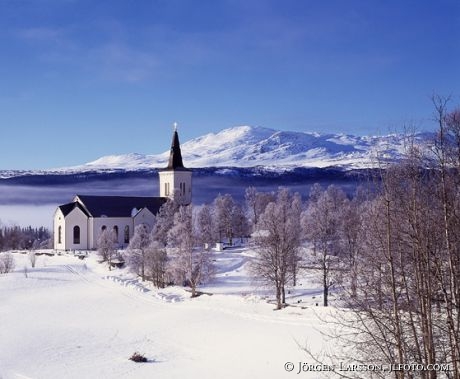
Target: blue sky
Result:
[80, 79]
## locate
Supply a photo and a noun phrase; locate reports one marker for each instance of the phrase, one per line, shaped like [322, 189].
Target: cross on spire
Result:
[175, 126]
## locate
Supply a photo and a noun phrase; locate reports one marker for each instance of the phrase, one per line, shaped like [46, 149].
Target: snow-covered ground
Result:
[73, 318]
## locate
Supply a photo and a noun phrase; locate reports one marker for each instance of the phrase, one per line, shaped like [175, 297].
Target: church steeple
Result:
[175, 179]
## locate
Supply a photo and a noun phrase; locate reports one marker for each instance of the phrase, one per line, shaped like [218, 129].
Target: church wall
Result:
[91, 241]
[98, 223]
[59, 222]
[184, 196]
[144, 217]
[170, 185]
[76, 218]
[166, 183]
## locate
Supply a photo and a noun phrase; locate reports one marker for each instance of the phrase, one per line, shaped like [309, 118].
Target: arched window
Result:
[76, 235]
[103, 228]
[126, 234]
[60, 234]
[115, 232]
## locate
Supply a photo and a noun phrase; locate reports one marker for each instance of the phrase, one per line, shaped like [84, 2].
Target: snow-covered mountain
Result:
[247, 146]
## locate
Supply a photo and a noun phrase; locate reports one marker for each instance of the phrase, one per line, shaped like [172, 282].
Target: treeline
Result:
[177, 249]
[27, 238]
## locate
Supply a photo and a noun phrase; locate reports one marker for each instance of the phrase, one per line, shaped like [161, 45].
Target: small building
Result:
[77, 225]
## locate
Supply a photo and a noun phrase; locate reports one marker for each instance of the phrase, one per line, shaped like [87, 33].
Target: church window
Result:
[115, 231]
[166, 189]
[76, 235]
[126, 234]
[103, 228]
[60, 234]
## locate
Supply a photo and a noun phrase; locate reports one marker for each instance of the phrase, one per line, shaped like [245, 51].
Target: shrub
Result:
[6, 263]
[137, 357]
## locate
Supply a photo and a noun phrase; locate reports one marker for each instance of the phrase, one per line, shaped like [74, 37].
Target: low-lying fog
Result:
[35, 204]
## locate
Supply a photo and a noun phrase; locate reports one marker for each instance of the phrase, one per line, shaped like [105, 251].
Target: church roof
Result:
[175, 155]
[69, 207]
[119, 206]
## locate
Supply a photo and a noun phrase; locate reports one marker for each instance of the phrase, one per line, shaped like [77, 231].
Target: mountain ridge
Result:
[256, 146]
[249, 146]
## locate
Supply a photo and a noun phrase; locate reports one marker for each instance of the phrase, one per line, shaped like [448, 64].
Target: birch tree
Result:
[137, 250]
[223, 208]
[190, 265]
[106, 246]
[240, 223]
[205, 227]
[6, 263]
[164, 221]
[277, 241]
[256, 203]
[156, 261]
[321, 225]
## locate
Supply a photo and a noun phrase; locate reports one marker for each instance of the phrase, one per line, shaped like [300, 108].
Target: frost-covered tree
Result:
[223, 207]
[229, 218]
[189, 264]
[205, 227]
[351, 240]
[32, 258]
[256, 203]
[240, 222]
[15, 237]
[156, 264]
[277, 240]
[6, 263]
[164, 221]
[405, 302]
[137, 250]
[321, 225]
[106, 246]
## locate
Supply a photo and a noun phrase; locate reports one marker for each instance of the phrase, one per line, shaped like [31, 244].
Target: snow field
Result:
[72, 318]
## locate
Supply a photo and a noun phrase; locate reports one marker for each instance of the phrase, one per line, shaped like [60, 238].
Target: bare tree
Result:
[240, 222]
[223, 207]
[321, 227]
[404, 307]
[447, 152]
[350, 239]
[277, 242]
[256, 202]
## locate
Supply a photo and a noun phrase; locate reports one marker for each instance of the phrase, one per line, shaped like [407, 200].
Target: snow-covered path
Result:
[65, 321]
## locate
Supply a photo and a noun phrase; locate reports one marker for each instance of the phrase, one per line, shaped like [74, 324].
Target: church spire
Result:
[175, 155]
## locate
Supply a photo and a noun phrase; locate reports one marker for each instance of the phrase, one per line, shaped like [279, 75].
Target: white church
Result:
[78, 224]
